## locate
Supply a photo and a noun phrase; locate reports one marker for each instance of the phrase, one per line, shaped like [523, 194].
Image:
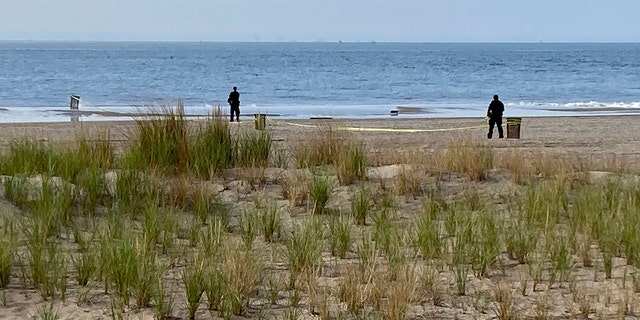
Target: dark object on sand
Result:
[261, 120]
[75, 102]
[513, 128]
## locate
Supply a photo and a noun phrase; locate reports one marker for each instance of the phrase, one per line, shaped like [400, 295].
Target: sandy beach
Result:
[580, 136]
[603, 142]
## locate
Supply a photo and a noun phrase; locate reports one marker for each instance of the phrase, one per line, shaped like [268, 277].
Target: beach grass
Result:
[320, 192]
[153, 225]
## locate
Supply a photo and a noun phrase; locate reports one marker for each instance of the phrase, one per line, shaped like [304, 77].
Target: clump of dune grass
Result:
[28, 157]
[86, 266]
[7, 256]
[561, 260]
[304, 250]
[248, 229]
[97, 152]
[505, 306]
[427, 238]
[340, 238]
[295, 188]
[193, 280]
[212, 237]
[434, 206]
[92, 190]
[352, 289]
[176, 191]
[214, 286]
[165, 142]
[324, 148]
[47, 267]
[164, 303]
[466, 157]
[16, 190]
[516, 162]
[52, 207]
[147, 272]
[401, 294]
[229, 277]
[240, 272]
[520, 239]
[280, 158]
[269, 221]
[547, 165]
[396, 250]
[48, 312]
[151, 223]
[203, 203]
[319, 192]
[461, 247]
[122, 268]
[486, 243]
[384, 229]
[360, 205]
[133, 189]
[545, 203]
[351, 163]
[254, 150]
[161, 141]
[214, 146]
[409, 180]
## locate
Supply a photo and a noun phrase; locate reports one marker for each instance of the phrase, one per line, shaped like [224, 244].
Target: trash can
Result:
[513, 128]
[75, 102]
[261, 120]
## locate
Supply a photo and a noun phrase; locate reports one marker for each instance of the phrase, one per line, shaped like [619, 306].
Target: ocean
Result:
[302, 80]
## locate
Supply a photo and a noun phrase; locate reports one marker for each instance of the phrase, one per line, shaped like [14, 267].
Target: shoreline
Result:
[290, 113]
[250, 117]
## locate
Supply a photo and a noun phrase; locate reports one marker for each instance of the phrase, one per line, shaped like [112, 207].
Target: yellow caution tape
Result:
[388, 129]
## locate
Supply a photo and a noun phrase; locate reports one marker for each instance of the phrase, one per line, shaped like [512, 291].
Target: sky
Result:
[322, 20]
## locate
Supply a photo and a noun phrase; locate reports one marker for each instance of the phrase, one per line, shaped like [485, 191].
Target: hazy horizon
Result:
[323, 41]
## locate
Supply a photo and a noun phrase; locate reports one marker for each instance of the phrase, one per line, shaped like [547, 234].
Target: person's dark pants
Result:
[235, 109]
[492, 122]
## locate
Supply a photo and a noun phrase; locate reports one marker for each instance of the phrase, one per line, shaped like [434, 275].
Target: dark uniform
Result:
[234, 102]
[496, 108]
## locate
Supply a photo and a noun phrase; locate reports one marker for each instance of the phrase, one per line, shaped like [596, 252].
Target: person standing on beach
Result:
[496, 108]
[234, 102]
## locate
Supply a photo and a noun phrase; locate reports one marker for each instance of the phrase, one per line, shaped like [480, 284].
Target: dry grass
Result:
[467, 157]
[354, 288]
[324, 148]
[295, 187]
[516, 162]
[505, 307]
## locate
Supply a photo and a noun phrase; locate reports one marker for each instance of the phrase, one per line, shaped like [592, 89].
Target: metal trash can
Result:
[513, 128]
[75, 102]
[261, 120]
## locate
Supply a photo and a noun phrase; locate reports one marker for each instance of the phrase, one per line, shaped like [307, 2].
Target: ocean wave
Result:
[583, 105]
[91, 112]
